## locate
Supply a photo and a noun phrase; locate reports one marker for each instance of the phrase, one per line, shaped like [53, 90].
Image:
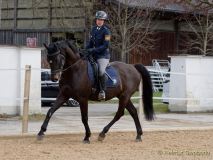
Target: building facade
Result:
[45, 20]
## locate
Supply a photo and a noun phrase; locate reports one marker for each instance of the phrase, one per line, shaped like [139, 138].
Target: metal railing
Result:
[159, 77]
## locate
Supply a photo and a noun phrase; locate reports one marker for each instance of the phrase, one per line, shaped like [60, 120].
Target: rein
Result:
[70, 65]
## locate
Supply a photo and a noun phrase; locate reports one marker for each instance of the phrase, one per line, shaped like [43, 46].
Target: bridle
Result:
[62, 61]
[60, 68]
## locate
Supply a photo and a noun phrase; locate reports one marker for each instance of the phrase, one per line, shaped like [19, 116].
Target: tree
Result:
[201, 41]
[199, 19]
[130, 25]
[201, 24]
[189, 4]
[201, 3]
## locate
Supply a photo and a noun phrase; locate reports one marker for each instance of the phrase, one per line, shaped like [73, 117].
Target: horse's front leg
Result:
[84, 117]
[58, 103]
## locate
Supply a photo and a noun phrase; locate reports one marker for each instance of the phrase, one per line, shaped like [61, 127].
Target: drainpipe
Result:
[177, 35]
[0, 12]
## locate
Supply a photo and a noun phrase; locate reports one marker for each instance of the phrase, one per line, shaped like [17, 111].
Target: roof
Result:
[155, 4]
[164, 5]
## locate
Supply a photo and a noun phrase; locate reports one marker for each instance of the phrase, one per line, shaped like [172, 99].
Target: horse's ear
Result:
[45, 45]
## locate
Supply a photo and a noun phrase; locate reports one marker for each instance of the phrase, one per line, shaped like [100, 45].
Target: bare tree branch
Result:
[199, 18]
[202, 27]
[131, 28]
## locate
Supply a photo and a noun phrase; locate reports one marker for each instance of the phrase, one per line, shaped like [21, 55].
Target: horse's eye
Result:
[50, 61]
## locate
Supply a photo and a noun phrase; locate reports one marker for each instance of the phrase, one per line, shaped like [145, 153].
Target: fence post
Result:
[26, 98]
[140, 107]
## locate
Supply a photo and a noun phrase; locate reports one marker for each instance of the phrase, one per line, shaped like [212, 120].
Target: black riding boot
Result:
[101, 95]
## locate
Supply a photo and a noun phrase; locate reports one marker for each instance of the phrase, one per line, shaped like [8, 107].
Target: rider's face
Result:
[99, 22]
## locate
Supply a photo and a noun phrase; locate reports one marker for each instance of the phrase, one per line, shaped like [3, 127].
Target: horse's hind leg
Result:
[133, 112]
[118, 115]
[60, 101]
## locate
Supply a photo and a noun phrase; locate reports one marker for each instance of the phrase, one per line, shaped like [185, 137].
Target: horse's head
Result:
[55, 59]
[57, 54]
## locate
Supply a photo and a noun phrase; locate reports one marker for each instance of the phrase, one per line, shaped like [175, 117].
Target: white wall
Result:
[196, 84]
[9, 81]
[12, 81]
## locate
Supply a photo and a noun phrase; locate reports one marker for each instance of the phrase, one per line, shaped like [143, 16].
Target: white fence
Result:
[182, 96]
[179, 74]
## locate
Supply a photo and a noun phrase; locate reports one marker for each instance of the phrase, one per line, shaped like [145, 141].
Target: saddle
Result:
[112, 76]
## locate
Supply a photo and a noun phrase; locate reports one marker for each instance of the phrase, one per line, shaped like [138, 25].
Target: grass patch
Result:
[161, 108]
[3, 116]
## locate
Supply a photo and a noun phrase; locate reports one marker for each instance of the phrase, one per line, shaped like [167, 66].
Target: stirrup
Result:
[101, 95]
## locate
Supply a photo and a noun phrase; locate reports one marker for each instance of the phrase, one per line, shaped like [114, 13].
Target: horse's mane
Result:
[64, 44]
[72, 45]
[68, 43]
[82, 52]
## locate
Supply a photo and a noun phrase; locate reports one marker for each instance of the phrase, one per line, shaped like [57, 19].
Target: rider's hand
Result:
[90, 50]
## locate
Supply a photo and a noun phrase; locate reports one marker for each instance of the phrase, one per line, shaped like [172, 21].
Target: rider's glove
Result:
[90, 50]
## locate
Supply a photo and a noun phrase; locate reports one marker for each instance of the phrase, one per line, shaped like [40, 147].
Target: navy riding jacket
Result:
[99, 41]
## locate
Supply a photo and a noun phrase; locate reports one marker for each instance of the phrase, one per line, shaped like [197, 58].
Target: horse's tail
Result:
[147, 92]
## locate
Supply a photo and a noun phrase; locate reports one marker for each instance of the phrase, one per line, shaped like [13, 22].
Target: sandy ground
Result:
[161, 145]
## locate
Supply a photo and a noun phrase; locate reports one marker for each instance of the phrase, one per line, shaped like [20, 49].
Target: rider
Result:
[98, 46]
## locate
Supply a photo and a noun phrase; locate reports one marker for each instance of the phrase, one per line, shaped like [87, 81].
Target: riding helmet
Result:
[101, 15]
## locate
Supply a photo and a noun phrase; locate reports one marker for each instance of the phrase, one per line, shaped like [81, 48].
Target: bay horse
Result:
[67, 65]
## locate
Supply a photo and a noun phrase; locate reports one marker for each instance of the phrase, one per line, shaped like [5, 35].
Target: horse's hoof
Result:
[101, 137]
[40, 137]
[86, 142]
[138, 140]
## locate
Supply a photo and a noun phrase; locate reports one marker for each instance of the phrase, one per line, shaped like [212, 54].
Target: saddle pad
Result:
[111, 81]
